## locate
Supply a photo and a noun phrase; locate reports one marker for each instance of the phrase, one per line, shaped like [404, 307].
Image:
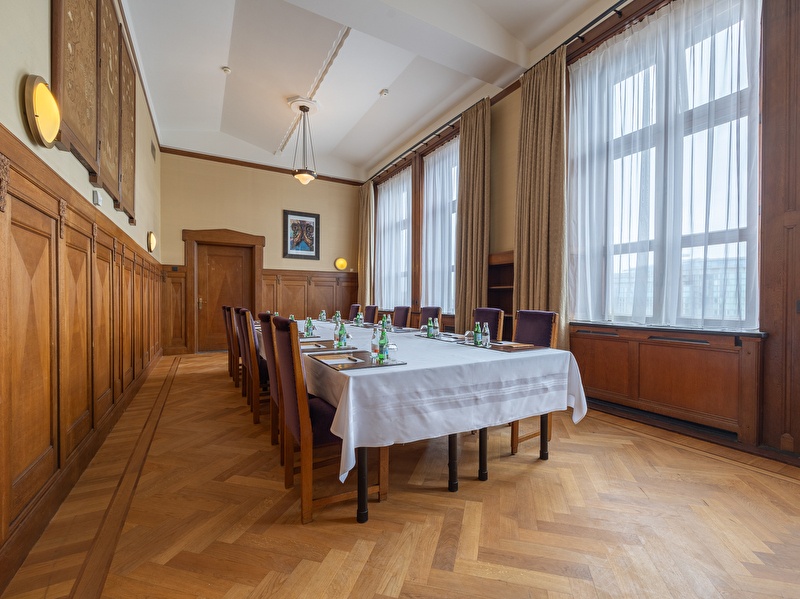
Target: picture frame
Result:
[300, 235]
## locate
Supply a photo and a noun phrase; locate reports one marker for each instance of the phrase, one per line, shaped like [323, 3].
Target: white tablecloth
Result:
[444, 388]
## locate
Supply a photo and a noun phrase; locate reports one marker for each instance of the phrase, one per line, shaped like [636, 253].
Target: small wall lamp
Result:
[41, 109]
[340, 263]
[151, 241]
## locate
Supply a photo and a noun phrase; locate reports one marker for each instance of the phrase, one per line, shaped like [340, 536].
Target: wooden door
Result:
[224, 277]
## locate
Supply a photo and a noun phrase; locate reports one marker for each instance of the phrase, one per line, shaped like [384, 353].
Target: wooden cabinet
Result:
[501, 288]
[707, 378]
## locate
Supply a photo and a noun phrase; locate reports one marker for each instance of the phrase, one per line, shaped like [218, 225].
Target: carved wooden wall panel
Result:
[127, 147]
[32, 437]
[269, 293]
[102, 327]
[75, 328]
[109, 137]
[346, 293]
[74, 50]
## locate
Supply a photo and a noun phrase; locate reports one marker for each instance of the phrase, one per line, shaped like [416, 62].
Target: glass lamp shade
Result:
[340, 263]
[44, 116]
[304, 175]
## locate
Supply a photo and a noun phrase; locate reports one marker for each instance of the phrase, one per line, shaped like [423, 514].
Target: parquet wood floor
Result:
[185, 499]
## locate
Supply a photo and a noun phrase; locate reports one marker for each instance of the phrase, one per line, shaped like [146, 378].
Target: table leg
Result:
[452, 451]
[362, 512]
[543, 427]
[483, 462]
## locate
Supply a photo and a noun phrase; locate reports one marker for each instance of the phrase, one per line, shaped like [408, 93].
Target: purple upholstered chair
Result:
[538, 327]
[308, 419]
[494, 316]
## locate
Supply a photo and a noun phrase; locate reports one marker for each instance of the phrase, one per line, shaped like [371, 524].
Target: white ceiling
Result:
[436, 58]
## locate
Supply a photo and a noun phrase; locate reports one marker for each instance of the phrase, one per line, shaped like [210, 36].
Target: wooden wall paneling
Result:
[127, 144]
[780, 224]
[32, 441]
[293, 294]
[138, 291]
[109, 112]
[75, 328]
[61, 297]
[719, 383]
[126, 308]
[173, 304]
[269, 292]
[5, 349]
[322, 295]
[117, 292]
[102, 325]
[347, 293]
[75, 75]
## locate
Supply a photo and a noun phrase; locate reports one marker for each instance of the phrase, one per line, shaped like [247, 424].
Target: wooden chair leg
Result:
[306, 486]
[383, 473]
[288, 460]
[273, 424]
[514, 437]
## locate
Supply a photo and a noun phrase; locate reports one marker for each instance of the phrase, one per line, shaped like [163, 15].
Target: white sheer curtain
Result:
[439, 202]
[663, 170]
[393, 242]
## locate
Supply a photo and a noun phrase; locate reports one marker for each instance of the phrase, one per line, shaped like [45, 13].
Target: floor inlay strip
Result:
[92, 576]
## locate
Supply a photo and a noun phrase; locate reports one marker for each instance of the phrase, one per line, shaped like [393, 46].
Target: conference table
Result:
[441, 387]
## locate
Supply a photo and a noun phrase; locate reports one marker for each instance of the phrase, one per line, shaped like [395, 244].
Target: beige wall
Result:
[505, 150]
[25, 49]
[203, 194]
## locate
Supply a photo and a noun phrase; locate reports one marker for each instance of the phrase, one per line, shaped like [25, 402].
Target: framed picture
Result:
[300, 235]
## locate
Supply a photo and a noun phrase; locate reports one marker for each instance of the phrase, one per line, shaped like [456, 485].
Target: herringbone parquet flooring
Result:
[619, 510]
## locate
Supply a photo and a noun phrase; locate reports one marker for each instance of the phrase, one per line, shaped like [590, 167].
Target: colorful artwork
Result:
[300, 235]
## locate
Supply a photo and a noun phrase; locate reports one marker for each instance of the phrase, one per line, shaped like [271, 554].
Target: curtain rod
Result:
[577, 35]
[417, 145]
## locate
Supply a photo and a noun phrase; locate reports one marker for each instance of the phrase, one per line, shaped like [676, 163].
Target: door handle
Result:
[199, 303]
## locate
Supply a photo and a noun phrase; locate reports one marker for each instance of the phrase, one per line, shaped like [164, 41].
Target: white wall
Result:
[24, 50]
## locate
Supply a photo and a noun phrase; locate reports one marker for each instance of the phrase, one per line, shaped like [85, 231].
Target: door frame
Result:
[194, 237]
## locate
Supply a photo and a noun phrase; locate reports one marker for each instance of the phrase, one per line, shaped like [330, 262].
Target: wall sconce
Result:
[340, 263]
[41, 109]
[151, 241]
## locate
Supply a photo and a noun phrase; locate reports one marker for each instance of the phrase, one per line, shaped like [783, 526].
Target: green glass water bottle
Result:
[430, 328]
[477, 335]
[342, 335]
[383, 347]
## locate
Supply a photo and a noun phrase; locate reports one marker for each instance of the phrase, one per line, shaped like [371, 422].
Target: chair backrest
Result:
[268, 343]
[538, 327]
[402, 316]
[371, 314]
[241, 335]
[354, 310]
[292, 379]
[494, 316]
[427, 312]
[250, 350]
[226, 317]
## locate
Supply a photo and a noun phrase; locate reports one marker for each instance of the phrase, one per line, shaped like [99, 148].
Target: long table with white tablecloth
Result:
[442, 388]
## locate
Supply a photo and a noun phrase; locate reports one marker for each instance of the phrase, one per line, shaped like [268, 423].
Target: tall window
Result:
[663, 170]
[439, 203]
[393, 242]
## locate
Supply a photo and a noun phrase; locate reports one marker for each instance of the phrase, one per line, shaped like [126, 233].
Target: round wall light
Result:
[340, 263]
[151, 241]
[41, 108]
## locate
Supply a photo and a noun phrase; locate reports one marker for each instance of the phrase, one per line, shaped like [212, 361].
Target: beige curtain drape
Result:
[366, 243]
[540, 276]
[472, 228]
